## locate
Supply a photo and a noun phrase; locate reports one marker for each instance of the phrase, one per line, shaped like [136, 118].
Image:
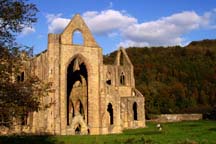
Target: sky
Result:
[126, 23]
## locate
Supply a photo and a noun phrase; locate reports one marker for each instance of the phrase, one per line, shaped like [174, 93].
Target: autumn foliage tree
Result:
[20, 92]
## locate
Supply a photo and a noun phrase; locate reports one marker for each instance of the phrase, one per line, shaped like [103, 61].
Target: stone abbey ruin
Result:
[89, 97]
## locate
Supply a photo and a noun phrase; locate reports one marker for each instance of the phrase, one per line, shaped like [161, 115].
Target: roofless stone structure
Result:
[89, 97]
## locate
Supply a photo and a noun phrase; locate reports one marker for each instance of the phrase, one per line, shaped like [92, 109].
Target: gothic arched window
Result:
[110, 110]
[122, 79]
[109, 81]
[134, 111]
[77, 38]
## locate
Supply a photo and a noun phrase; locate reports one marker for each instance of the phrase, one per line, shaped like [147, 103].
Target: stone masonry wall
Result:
[178, 117]
[106, 85]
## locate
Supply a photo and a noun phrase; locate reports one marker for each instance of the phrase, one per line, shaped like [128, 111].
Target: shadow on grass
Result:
[144, 133]
[134, 140]
[28, 140]
[193, 125]
[152, 132]
[212, 129]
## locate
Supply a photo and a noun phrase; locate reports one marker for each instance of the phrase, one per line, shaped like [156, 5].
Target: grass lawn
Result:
[190, 132]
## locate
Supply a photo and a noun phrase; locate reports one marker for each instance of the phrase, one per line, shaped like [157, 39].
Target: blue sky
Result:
[126, 23]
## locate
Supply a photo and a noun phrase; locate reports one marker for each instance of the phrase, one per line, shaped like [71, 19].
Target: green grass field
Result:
[190, 132]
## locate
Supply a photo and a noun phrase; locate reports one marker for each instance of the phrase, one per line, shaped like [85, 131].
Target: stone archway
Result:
[78, 125]
[110, 111]
[135, 111]
[77, 94]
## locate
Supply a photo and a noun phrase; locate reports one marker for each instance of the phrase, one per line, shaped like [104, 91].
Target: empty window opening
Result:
[77, 38]
[21, 77]
[110, 110]
[135, 111]
[109, 82]
[78, 129]
[18, 78]
[121, 59]
[122, 79]
[77, 84]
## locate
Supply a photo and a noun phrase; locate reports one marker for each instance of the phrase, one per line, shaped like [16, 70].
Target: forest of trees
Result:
[175, 79]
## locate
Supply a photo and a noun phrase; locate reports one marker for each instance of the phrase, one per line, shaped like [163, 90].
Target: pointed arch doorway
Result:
[77, 95]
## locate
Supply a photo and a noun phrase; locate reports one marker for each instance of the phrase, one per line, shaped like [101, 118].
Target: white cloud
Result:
[210, 19]
[104, 22]
[27, 31]
[56, 23]
[107, 21]
[130, 43]
[165, 31]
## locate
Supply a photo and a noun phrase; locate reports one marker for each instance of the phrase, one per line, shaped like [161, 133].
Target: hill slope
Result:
[175, 79]
[203, 45]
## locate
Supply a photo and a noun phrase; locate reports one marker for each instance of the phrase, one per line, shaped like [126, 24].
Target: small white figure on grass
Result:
[159, 127]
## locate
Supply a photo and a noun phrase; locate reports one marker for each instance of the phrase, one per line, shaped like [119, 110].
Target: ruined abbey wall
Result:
[89, 97]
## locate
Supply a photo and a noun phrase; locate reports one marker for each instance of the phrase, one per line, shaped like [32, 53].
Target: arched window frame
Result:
[77, 37]
[110, 111]
[108, 80]
[135, 114]
[122, 79]
[75, 74]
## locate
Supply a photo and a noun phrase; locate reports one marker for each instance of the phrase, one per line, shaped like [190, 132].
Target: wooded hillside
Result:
[175, 79]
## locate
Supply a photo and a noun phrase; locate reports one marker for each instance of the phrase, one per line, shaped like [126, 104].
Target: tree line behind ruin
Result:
[175, 79]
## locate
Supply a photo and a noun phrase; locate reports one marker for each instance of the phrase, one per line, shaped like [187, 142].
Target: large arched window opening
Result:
[122, 79]
[77, 38]
[135, 111]
[77, 87]
[110, 111]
